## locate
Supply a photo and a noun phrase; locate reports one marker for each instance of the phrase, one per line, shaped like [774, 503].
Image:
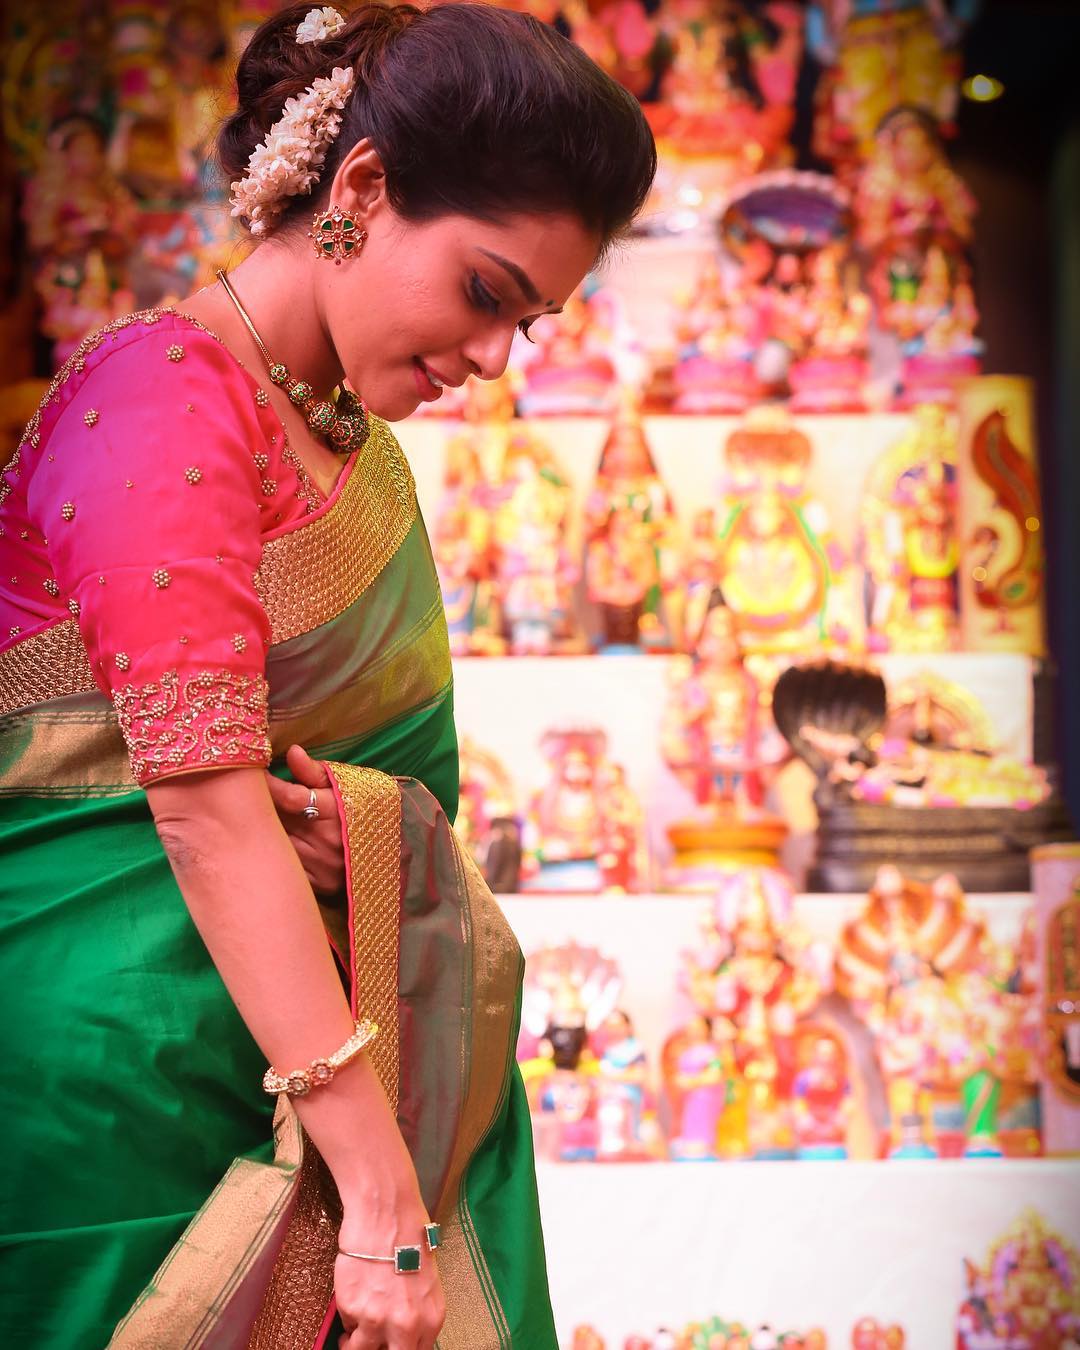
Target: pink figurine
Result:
[821, 1092]
[703, 1069]
[584, 829]
[568, 370]
[832, 369]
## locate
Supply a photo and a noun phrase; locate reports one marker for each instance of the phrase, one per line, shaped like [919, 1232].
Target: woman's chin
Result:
[394, 408]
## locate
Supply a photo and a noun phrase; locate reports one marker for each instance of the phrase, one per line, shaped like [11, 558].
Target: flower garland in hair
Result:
[290, 157]
[318, 25]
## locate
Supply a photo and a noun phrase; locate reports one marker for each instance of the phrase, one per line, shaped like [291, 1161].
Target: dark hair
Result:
[473, 110]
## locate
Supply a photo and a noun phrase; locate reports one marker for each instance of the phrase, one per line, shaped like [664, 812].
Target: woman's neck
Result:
[278, 292]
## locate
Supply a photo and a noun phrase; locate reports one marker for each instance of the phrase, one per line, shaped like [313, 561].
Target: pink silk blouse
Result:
[138, 502]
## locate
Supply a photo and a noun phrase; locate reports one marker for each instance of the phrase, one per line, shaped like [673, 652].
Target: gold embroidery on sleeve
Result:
[176, 724]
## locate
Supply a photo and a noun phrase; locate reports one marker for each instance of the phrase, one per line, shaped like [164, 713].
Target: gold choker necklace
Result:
[342, 423]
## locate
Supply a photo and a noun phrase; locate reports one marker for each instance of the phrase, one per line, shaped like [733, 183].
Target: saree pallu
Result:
[131, 1082]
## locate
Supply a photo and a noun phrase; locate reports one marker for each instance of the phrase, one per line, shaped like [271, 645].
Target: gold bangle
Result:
[320, 1071]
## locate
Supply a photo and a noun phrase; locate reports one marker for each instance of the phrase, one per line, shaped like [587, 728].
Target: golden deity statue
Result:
[911, 546]
[719, 740]
[779, 569]
[501, 547]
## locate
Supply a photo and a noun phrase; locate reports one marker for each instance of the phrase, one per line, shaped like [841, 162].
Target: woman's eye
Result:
[481, 296]
[486, 299]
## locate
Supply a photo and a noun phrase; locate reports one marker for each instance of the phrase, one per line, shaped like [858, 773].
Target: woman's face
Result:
[426, 305]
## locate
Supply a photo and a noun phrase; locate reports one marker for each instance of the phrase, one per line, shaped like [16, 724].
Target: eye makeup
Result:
[484, 298]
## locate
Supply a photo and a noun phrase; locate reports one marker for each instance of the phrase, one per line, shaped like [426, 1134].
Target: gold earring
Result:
[335, 234]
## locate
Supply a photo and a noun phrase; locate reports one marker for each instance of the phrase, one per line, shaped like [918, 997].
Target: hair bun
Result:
[471, 108]
[275, 67]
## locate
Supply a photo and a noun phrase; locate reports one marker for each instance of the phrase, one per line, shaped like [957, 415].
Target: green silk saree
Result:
[154, 1197]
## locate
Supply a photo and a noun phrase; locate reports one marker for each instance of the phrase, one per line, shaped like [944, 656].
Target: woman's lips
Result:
[426, 387]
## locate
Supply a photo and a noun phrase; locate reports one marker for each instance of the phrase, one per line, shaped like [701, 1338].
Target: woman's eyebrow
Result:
[525, 285]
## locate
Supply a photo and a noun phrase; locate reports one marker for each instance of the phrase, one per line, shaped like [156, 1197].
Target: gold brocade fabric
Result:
[302, 1284]
[303, 1280]
[47, 665]
[371, 803]
[308, 576]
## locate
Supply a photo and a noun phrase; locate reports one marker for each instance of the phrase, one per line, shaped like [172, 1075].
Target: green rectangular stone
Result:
[406, 1260]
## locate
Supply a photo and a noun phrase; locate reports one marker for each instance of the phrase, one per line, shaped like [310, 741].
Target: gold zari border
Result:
[311, 574]
[207, 1289]
[302, 1284]
[50, 664]
[372, 818]
[70, 747]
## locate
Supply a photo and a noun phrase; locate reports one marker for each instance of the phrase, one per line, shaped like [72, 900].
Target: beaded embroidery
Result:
[76, 364]
[174, 724]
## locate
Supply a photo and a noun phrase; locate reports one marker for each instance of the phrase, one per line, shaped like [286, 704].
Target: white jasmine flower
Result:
[288, 160]
[319, 24]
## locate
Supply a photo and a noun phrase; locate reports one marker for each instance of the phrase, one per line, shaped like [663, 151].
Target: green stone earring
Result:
[335, 234]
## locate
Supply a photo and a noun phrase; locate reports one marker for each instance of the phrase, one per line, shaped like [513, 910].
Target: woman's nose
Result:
[488, 352]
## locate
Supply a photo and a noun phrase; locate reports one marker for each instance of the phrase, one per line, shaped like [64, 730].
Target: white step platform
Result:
[632, 1247]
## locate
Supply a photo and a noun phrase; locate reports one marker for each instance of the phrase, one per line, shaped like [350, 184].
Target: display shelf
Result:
[632, 1247]
[505, 708]
[688, 455]
[506, 703]
[645, 934]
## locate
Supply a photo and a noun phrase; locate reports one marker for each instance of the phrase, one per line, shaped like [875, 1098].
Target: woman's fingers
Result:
[291, 799]
[361, 1336]
[365, 1336]
[316, 837]
[389, 1312]
[311, 773]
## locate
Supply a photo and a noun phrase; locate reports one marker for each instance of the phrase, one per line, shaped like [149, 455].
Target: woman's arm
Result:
[251, 902]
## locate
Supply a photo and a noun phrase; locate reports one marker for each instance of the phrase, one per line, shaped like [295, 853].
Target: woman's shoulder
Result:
[144, 362]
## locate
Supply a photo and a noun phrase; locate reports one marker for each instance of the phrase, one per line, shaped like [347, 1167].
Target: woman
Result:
[206, 565]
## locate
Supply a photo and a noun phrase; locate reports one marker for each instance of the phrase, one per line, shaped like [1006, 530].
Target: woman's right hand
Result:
[380, 1309]
[318, 842]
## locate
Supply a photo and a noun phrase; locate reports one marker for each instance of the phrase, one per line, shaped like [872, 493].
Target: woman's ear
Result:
[359, 185]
